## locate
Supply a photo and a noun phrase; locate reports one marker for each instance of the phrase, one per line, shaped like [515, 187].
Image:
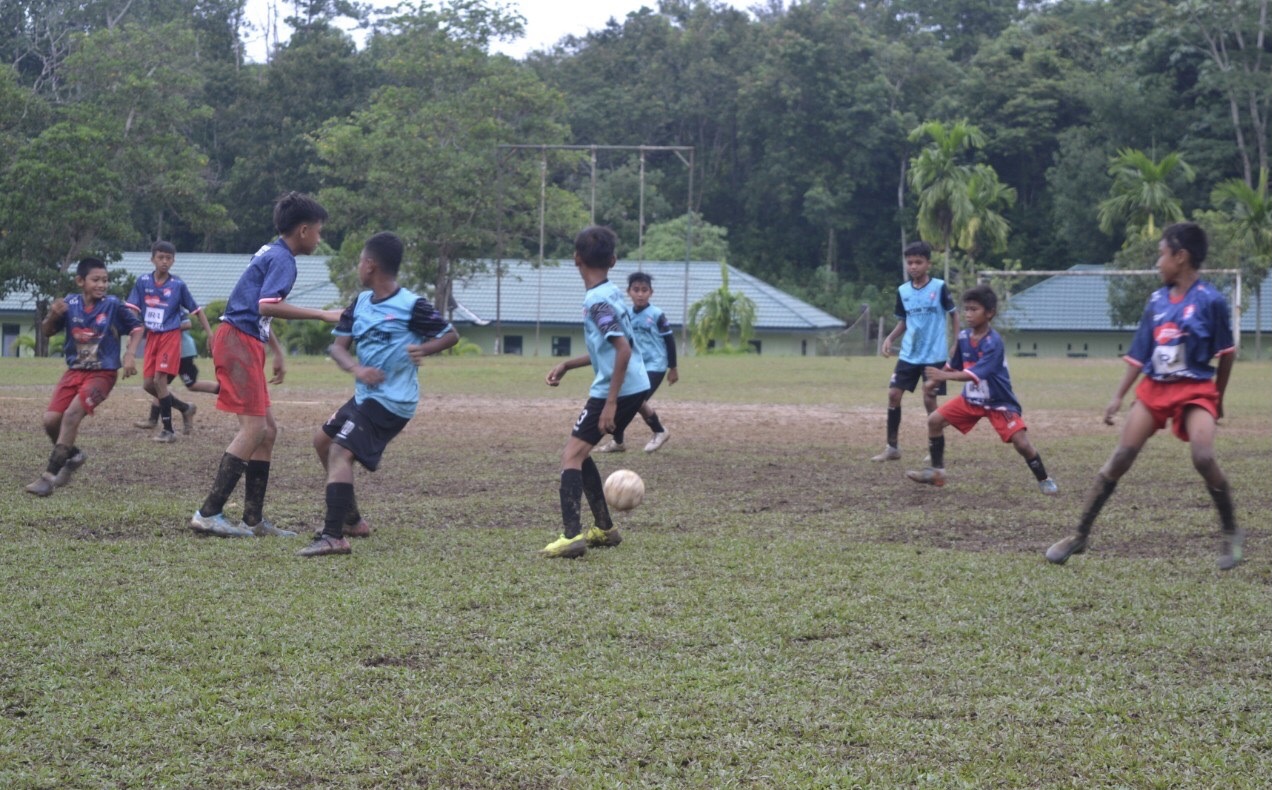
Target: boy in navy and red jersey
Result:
[94, 323]
[1186, 323]
[619, 388]
[160, 298]
[979, 360]
[238, 354]
[394, 330]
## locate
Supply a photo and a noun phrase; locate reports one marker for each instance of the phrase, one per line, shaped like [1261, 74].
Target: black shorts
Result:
[364, 429]
[587, 427]
[906, 376]
[655, 378]
[189, 371]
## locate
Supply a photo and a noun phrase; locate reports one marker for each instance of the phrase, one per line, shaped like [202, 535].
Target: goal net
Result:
[1087, 310]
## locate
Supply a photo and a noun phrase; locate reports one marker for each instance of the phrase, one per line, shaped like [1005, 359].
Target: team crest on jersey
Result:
[167, 292]
[152, 300]
[102, 319]
[1167, 333]
[1189, 310]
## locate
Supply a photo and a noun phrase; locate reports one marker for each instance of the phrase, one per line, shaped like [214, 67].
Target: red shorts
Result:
[91, 386]
[163, 354]
[964, 416]
[1167, 401]
[240, 370]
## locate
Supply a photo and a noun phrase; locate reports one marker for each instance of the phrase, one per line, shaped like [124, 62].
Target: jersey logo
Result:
[1189, 310]
[101, 319]
[1167, 333]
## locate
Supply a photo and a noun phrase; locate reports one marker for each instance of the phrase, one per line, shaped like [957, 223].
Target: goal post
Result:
[1090, 298]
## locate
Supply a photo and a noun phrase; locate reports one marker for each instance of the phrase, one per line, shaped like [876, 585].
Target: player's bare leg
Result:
[1135, 432]
[935, 473]
[63, 429]
[1201, 428]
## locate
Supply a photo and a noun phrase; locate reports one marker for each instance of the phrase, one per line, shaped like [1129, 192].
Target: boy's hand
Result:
[280, 370]
[672, 376]
[369, 376]
[416, 352]
[58, 308]
[1111, 410]
[608, 411]
[887, 346]
[130, 366]
[555, 375]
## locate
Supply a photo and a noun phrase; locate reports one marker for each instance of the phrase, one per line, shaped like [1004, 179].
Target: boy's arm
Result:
[434, 345]
[1124, 386]
[672, 375]
[1222, 375]
[207, 328]
[622, 355]
[54, 318]
[559, 370]
[130, 356]
[280, 363]
[291, 311]
[896, 332]
[345, 360]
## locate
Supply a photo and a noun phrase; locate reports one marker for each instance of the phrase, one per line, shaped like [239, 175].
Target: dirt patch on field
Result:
[490, 463]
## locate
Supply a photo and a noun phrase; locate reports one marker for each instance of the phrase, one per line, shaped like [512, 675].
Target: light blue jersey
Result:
[651, 327]
[188, 347]
[382, 331]
[605, 315]
[924, 310]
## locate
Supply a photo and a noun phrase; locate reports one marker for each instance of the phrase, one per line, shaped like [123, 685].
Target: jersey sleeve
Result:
[135, 297]
[1141, 350]
[344, 327]
[187, 300]
[670, 341]
[664, 326]
[899, 309]
[607, 322]
[990, 362]
[1221, 333]
[426, 321]
[126, 320]
[280, 276]
[947, 301]
[956, 361]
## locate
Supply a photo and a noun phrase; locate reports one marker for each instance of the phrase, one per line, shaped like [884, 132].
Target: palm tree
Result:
[716, 315]
[1250, 211]
[1141, 195]
[940, 181]
[986, 228]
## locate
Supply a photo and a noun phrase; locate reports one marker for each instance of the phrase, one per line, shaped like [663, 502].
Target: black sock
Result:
[653, 422]
[1100, 492]
[571, 498]
[894, 425]
[227, 477]
[936, 447]
[594, 490]
[257, 480]
[352, 515]
[165, 412]
[339, 500]
[57, 458]
[154, 412]
[1037, 468]
[1227, 513]
[618, 436]
[179, 404]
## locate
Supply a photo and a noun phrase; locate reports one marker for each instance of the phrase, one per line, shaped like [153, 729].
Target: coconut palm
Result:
[1250, 210]
[715, 316]
[940, 180]
[986, 228]
[1141, 196]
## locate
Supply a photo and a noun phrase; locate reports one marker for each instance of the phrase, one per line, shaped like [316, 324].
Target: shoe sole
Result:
[568, 554]
[1062, 559]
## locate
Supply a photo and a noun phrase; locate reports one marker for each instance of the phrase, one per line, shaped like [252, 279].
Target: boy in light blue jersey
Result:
[924, 308]
[620, 386]
[394, 330]
[657, 346]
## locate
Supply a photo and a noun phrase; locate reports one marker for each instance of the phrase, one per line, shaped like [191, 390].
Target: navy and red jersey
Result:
[161, 306]
[1177, 338]
[986, 360]
[268, 278]
[92, 336]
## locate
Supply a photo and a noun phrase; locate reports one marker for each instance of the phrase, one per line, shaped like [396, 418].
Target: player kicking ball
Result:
[620, 387]
[394, 330]
[980, 361]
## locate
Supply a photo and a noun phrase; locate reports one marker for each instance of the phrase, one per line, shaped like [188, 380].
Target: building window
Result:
[560, 346]
[11, 333]
[512, 344]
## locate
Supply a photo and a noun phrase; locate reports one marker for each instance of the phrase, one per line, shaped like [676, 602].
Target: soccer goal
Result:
[1086, 301]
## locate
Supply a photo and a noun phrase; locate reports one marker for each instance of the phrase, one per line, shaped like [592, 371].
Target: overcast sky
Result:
[547, 21]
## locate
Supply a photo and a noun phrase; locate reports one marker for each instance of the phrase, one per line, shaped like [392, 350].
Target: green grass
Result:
[782, 613]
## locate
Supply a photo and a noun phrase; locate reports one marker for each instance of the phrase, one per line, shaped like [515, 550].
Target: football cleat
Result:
[266, 529]
[659, 439]
[889, 453]
[612, 446]
[165, 437]
[1230, 551]
[63, 475]
[360, 530]
[567, 548]
[216, 525]
[43, 485]
[1048, 487]
[325, 545]
[187, 419]
[146, 425]
[930, 476]
[1064, 549]
[603, 538]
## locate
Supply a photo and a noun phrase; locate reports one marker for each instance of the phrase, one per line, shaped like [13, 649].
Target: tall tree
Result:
[940, 177]
[1250, 211]
[986, 227]
[1141, 197]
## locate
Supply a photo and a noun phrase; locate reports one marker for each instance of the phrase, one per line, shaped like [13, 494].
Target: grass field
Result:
[782, 613]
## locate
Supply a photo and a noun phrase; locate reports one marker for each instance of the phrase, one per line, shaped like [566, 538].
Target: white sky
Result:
[547, 21]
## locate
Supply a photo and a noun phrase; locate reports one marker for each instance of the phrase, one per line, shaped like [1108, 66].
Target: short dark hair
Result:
[163, 246]
[1187, 236]
[640, 277]
[984, 296]
[921, 248]
[385, 249]
[294, 209]
[595, 246]
[86, 265]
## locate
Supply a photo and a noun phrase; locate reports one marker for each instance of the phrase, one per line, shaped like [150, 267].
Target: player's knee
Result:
[1204, 462]
[894, 397]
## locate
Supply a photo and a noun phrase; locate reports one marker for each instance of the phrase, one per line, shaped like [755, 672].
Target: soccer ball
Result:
[624, 489]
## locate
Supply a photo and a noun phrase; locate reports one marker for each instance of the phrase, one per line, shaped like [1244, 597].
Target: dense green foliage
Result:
[825, 133]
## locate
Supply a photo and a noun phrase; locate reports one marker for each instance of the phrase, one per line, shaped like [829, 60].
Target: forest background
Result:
[825, 133]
